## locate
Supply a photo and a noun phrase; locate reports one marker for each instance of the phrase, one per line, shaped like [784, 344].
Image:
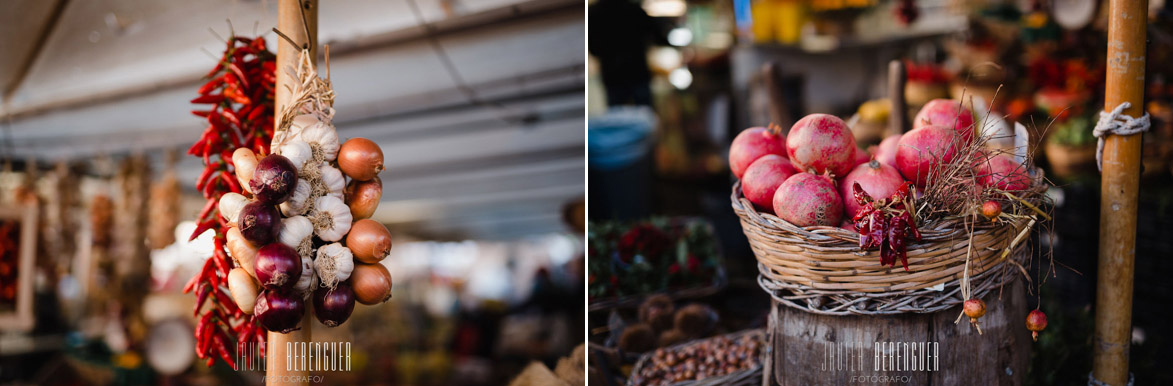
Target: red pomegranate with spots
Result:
[948, 113]
[1001, 171]
[921, 152]
[753, 143]
[861, 157]
[886, 151]
[821, 143]
[762, 179]
[877, 179]
[806, 200]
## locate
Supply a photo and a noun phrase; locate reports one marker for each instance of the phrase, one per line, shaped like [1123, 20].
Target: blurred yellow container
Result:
[789, 18]
[763, 20]
[778, 21]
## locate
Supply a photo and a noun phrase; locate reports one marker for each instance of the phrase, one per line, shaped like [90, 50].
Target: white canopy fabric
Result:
[89, 77]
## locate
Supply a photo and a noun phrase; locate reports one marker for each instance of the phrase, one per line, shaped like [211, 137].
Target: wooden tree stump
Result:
[812, 349]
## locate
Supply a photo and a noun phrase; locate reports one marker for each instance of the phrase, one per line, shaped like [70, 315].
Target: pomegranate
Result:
[974, 309]
[806, 200]
[877, 179]
[762, 179]
[991, 209]
[1036, 321]
[886, 151]
[861, 157]
[947, 113]
[821, 142]
[847, 225]
[753, 143]
[1001, 171]
[921, 151]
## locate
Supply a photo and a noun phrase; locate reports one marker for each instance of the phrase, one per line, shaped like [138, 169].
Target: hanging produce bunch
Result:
[300, 229]
[239, 97]
[912, 200]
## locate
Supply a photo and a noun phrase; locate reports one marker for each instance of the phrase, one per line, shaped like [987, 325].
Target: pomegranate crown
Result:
[773, 128]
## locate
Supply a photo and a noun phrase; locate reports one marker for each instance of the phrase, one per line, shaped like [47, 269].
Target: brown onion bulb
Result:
[360, 159]
[372, 283]
[241, 250]
[363, 197]
[243, 289]
[245, 163]
[369, 240]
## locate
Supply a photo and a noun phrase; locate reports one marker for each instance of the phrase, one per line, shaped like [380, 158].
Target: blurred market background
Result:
[671, 82]
[477, 105]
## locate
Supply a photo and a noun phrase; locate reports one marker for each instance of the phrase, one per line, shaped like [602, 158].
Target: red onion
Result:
[259, 223]
[279, 311]
[274, 179]
[278, 266]
[333, 306]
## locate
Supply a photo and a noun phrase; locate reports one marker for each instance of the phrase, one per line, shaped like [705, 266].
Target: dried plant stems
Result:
[310, 95]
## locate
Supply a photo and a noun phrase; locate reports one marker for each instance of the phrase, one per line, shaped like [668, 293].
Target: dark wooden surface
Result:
[997, 357]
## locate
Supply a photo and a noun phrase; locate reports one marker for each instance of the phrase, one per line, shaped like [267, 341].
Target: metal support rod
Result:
[1119, 189]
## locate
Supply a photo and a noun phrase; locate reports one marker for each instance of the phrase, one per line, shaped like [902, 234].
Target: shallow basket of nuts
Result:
[731, 359]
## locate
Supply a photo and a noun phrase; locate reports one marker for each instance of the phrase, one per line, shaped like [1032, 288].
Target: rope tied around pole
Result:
[1117, 123]
[1092, 381]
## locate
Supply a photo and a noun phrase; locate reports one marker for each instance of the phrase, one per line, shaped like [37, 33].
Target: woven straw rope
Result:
[822, 270]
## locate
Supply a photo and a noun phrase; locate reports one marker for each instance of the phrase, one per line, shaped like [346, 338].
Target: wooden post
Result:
[280, 369]
[1119, 188]
[898, 115]
[809, 349]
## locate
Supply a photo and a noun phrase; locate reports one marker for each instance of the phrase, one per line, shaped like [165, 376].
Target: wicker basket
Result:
[748, 377]
[822, 270]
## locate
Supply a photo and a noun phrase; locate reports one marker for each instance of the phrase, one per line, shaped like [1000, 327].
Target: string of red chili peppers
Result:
[885, 224]
[240, 93]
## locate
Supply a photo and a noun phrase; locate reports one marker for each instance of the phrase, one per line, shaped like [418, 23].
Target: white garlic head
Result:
[230, 206]
[333, 183]
[298, 152]
[305, 283]
[334, 264]
[298, 233]
[299, 202]
[321, 136]
[331, 218]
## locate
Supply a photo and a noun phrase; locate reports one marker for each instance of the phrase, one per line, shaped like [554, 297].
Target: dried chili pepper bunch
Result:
[240, 92]
[886, 224]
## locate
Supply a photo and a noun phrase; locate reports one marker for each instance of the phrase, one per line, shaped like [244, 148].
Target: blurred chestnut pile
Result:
[660, 324]
[709, 358]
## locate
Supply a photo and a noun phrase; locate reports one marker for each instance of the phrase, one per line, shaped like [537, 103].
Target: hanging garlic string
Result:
[310, 95]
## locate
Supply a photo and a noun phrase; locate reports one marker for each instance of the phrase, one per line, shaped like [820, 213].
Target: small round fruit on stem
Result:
[1036, 321]
[991, 209]
[974, 309]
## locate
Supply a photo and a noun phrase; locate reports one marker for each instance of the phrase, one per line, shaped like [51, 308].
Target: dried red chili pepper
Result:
[208, 99]
[886, 224]
[222, 348]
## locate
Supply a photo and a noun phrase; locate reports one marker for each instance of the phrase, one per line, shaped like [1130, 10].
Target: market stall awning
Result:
[477, 104]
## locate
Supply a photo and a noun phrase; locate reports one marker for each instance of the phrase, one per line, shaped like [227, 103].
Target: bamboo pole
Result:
[1119, 188]
[298, 20]
[898, 112]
